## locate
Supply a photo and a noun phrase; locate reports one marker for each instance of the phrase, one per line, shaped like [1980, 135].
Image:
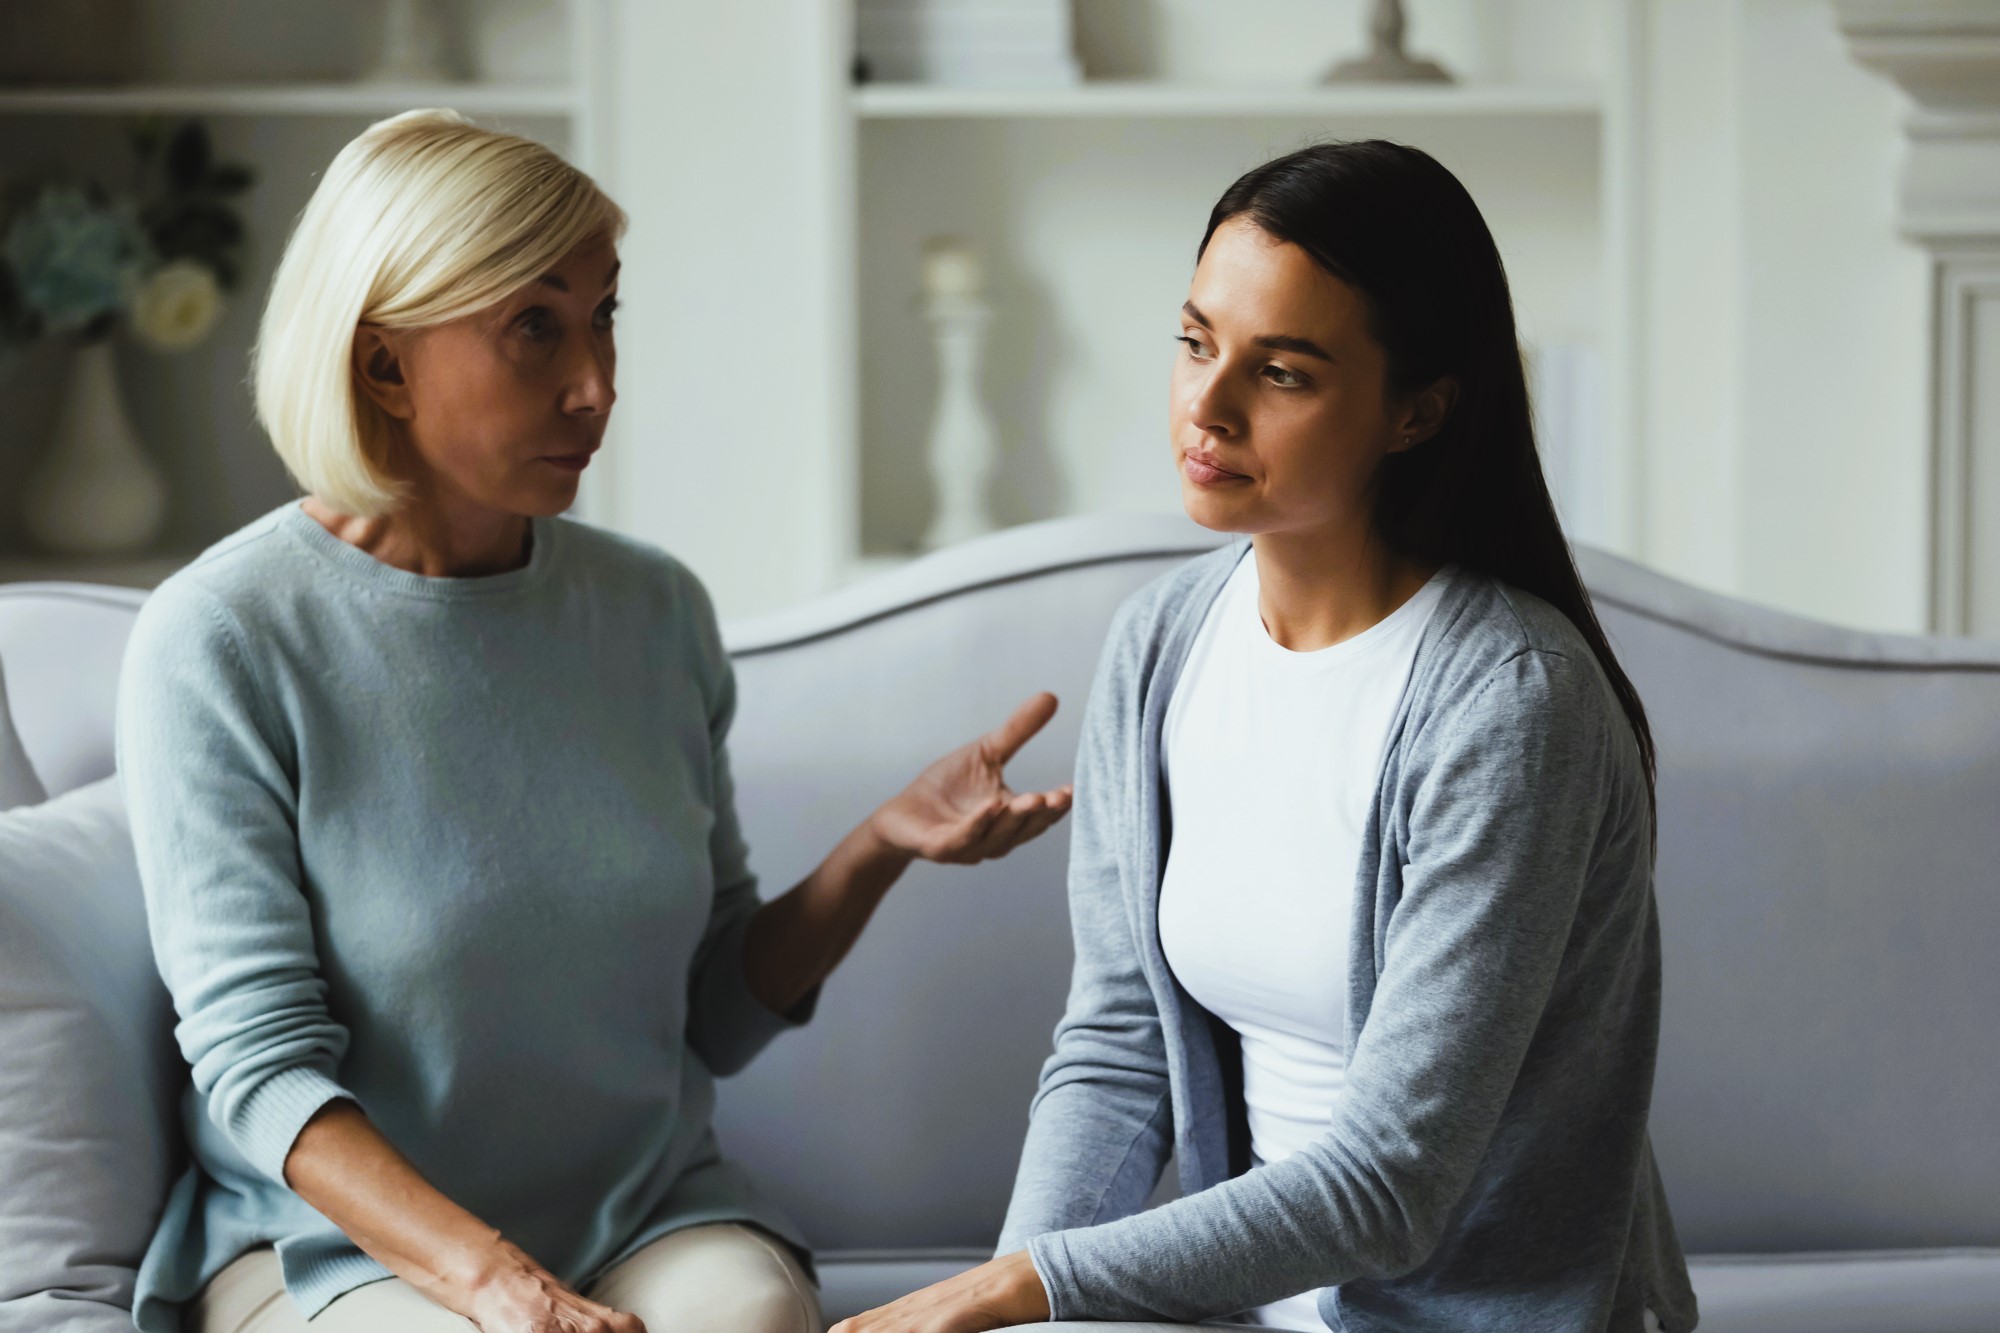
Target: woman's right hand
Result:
[343, 1166]
[520, 1296]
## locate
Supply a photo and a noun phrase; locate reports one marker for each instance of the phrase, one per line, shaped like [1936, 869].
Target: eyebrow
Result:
[1280, 342]
[556, 281]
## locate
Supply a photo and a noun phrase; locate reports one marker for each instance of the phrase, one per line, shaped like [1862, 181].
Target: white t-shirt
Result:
[1271, 758]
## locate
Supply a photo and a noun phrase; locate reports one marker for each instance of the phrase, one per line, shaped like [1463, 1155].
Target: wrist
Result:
[481, 1269]
[1022, 1296]
[875, 849]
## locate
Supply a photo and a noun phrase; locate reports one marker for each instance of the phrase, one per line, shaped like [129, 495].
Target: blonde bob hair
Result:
[424, 218]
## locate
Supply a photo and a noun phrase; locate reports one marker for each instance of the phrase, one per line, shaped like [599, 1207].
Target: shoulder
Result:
[237, 569]
[202, 609]
[1502, 659]
[196, 665]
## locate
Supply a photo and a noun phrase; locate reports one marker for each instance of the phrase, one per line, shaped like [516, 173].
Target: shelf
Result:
[293, 99]
[912, 101]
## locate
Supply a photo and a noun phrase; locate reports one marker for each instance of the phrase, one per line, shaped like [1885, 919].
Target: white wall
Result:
[1786, 454]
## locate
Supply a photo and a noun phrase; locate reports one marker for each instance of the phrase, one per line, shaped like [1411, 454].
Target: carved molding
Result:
[1946, 55]
[1942, 51]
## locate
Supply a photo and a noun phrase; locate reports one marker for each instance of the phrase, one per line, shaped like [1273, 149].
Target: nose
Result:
[589, 389]
[1211, 405]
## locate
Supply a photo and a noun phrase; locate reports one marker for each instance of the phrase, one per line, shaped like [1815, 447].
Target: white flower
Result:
[176, 305]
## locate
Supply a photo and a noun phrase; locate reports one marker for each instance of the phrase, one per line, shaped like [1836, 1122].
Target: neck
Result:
[1319, 588]
[435, 537]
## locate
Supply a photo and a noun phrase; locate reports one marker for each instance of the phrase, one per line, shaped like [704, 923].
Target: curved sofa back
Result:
[1829, 887]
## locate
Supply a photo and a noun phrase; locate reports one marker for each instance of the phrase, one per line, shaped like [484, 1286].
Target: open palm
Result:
[960, 810]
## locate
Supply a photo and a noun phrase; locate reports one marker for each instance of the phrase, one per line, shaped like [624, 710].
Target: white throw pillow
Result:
[89, 1078]
[18, 783]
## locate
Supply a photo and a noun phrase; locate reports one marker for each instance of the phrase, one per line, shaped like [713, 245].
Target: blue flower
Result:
[73, 259]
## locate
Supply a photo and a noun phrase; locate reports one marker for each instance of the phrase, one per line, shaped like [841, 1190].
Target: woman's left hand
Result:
[961, 810]
[998, 1294]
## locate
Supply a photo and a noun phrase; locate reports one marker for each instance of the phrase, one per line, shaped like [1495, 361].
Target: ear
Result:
[378, 369]
[1425, 414]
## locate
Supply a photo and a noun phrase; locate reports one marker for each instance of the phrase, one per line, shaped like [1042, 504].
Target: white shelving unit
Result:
[1087, 202]
[777, 376]
[287, 129]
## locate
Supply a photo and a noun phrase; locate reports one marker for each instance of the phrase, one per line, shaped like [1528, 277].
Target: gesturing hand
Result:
[960, 809]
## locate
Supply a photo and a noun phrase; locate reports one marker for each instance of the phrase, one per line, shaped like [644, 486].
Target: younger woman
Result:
[1362, 869]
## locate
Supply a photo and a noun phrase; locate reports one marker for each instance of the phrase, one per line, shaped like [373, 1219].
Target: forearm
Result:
[796, 940]
[1093, 1152]
[343, 1166]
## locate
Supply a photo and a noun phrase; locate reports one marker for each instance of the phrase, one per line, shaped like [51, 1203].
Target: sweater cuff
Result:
[1049, 1253]
[267, 1121]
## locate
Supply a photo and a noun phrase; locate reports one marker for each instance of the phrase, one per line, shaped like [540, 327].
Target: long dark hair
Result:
[1389, 221]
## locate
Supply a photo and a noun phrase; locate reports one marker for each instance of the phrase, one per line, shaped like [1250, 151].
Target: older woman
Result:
[432, 802]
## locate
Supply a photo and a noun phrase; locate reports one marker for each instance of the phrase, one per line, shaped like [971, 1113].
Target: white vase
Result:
[963, 440]
[96, 493]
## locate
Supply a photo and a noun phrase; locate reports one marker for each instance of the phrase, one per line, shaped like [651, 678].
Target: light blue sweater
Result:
[462, 850]
[1487, 1164]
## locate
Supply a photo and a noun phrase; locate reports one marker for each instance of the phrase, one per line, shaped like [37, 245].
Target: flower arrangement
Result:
[79, 260]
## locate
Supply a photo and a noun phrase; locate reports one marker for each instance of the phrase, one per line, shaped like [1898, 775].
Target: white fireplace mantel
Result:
[1945, 54]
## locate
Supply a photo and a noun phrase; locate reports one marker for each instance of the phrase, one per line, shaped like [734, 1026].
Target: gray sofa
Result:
[1827, 1114]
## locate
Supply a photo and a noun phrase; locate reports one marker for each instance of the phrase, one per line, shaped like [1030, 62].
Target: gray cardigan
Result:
[1488, 1165]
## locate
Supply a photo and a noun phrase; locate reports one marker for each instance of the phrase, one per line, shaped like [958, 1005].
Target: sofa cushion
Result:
[88, 1075]
[1909, 1291]
[1886, 1291]
[852, 1281]
[18, 783]
[1827, 918]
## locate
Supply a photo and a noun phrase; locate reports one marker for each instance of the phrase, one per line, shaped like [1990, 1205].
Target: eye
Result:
[536, 322]
[1196, 347]
[1284, 379]
[607, 314]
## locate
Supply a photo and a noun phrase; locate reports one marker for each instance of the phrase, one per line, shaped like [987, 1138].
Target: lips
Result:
[1206, 470]
[575, 462]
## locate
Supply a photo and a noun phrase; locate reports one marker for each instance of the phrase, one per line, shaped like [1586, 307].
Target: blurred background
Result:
[901, 270]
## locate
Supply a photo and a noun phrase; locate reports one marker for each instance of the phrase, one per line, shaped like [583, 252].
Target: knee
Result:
[716, 1280]
[773, 1307]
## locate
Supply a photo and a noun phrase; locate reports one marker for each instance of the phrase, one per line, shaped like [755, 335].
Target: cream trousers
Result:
[708, 1279]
